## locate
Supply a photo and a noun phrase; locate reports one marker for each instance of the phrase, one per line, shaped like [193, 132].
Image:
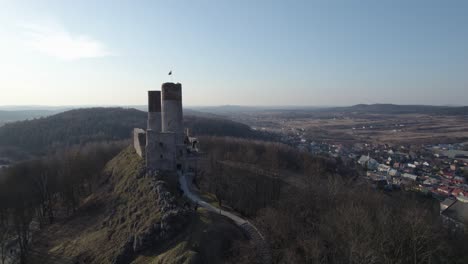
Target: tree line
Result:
[38, 191]
[80, 126]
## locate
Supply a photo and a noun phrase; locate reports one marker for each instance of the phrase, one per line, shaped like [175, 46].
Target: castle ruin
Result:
[165, 145]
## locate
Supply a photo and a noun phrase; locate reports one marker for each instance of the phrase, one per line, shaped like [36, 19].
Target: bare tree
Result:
[42, 185]
[22, 217]
[4, 238]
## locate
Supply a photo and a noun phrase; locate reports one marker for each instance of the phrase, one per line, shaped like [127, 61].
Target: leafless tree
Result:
[4, 238]
[22, 217]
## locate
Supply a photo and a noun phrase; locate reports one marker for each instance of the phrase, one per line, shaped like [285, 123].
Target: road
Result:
[196, 199]
[252, 232]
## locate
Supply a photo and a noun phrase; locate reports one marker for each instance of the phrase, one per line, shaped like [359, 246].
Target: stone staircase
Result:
[258, 241]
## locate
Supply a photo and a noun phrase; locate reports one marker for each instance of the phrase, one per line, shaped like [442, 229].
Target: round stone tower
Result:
[154, 111]
[172, 116]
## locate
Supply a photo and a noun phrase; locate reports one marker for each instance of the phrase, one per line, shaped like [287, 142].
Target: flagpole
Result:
[171, 74]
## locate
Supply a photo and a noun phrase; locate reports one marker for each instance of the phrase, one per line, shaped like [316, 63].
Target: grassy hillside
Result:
[124, 221]
[206, 240]
[101, 225]
[100, 124]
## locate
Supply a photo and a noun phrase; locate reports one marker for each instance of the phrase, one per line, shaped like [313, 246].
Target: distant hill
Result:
[101, 124]
[360, 108]
[10, 114]
[235, 109]
[401, 109]
[17, 115]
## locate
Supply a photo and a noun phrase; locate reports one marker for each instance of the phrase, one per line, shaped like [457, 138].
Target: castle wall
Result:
[161, 151]
[139, 141]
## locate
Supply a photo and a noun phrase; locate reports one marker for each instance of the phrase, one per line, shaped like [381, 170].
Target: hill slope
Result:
[11, 116]
[136, 219]
[101, 124]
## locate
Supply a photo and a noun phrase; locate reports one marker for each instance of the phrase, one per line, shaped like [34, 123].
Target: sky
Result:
[243, 52]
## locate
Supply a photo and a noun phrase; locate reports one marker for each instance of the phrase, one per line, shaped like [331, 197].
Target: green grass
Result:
[209, 198]
[179, 254]
[205, 240]
[124, 168]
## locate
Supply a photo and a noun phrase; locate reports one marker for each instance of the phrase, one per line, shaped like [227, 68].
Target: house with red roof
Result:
[448, 174]
[445, 190]
[457, 191]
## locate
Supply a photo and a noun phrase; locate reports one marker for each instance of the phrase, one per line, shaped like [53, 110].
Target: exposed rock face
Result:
[173, 219]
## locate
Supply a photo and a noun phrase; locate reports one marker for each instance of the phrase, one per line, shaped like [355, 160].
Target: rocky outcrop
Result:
[174, 218]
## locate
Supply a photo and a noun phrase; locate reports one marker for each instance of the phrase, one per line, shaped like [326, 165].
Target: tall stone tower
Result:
[154, 111]
[164, 144]
[164, 136]
[172, 116]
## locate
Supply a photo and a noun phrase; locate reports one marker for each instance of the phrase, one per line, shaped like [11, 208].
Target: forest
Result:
[311, 209]
[326, 215]
[40, 191]
[41, 136]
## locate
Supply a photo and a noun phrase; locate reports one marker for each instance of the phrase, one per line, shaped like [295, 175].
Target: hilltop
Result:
[17, 115]
[86, 125]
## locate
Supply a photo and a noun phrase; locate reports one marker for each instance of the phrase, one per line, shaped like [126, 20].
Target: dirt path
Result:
[252, 232]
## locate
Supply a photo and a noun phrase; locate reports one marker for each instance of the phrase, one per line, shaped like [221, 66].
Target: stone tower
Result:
[172, 116]
[164, 136]
[164, 144]
[154, 111]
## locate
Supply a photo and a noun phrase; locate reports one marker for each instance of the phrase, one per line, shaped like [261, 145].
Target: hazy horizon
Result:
[243, 53]
[59, 108]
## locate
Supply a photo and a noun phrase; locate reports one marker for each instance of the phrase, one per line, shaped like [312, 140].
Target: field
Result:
[363, 127]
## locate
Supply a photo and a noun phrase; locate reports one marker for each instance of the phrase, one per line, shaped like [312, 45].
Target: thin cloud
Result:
[58, 42]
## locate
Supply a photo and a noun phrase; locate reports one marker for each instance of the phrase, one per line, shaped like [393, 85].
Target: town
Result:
[438, 171]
